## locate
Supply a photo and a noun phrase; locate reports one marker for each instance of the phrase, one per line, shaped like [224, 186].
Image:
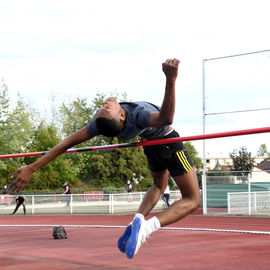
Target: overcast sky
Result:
[69, 49]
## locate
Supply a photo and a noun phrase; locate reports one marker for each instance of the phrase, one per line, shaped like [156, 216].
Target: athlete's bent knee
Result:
[195, 204]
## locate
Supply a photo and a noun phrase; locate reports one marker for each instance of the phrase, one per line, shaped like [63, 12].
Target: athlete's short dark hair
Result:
[108, 127]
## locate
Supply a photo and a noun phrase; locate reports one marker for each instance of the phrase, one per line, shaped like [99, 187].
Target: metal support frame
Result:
[204, 189]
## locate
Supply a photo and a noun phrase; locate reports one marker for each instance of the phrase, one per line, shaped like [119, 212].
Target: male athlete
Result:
[126, 121]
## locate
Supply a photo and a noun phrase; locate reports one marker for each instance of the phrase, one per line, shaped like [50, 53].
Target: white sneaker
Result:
[137, 237]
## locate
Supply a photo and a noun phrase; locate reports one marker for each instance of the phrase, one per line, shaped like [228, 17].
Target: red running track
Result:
[95, 248]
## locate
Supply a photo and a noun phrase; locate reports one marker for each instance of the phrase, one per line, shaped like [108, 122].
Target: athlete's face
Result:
[110, 109]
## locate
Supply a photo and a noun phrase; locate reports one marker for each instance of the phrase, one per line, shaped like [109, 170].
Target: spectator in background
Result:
[20, 200]
[129, 187]
[5, 190]
[129, 190]
[67, 192]
[166, 196]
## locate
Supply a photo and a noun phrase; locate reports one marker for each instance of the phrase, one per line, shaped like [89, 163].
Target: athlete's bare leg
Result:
[153, 194]
[190, 201]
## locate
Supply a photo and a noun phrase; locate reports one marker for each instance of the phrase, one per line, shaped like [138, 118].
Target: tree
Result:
[262, 150]
[21, 130]
[54, 174]
[75, 115]
[4, 105]
[193, 153]
[101, 168]
[16, 130]
[242, 160]
[4, 102]
[116, 167]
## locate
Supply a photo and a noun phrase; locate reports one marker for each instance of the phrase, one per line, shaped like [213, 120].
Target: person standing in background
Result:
[129, 187]
[67, 192]
[129, 190]
[20, 200]
[5, 190]
[166, 196]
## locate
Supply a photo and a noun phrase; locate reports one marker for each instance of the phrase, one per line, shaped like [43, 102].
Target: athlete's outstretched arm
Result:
[23, 174]
[166, 113]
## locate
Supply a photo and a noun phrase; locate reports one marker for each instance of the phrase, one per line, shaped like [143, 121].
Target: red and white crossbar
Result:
[151, 142]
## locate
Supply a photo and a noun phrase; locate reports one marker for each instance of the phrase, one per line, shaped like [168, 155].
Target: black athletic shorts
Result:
[172, 156]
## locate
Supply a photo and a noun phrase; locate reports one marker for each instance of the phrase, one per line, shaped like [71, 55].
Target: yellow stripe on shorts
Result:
[183, 160]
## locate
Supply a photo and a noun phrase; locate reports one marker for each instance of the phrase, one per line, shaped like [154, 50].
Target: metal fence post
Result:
[33, 204]
[249, 196]
[71, 202]
[229, 203]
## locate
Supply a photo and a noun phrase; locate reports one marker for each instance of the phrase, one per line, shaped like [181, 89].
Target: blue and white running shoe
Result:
[137, 237]
[122, 241]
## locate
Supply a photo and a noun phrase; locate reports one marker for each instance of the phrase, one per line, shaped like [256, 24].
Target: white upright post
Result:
[111, 210]
[33, 204]
[71, 206]
[229, 203]
[249, 196]
[204, 195]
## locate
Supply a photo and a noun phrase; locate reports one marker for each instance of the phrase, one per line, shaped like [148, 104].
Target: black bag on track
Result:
[59, 232]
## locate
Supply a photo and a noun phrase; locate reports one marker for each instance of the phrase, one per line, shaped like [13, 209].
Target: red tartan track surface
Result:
[28, 248]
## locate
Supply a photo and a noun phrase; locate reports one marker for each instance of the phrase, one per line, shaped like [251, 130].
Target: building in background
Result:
[260, 172]
[225, 163]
